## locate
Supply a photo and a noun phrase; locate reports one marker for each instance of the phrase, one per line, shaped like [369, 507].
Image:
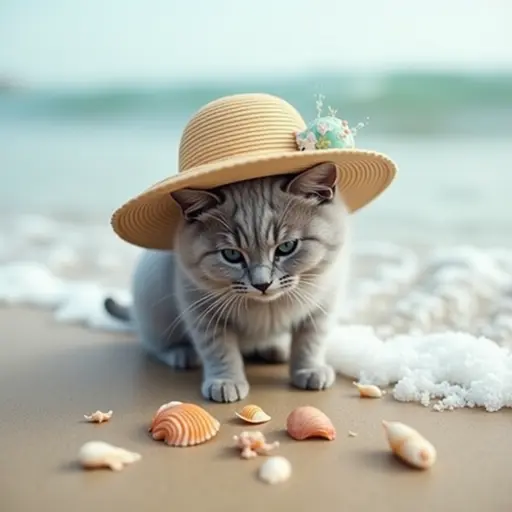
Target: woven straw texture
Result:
[237, 138]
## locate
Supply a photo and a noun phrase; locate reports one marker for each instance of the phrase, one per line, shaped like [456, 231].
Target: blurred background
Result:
[94, 95]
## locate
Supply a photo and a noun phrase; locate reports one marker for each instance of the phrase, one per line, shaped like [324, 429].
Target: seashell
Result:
[275, 470]
[368, 390]
[409, 445]
[97, 454]
[352, 433]
[161, 408]
[253, 444]
[306, 421]
[183, 424]
[253, 414]
[98, 416]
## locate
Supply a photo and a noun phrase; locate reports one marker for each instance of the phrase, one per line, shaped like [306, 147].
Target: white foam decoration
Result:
[438, 325]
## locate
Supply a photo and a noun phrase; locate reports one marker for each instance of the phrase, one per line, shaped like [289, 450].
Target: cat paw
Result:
[274, 355]
[321, 377]
[181, 357]
[225, 390]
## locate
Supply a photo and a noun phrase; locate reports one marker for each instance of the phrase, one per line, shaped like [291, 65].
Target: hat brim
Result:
[150, 219]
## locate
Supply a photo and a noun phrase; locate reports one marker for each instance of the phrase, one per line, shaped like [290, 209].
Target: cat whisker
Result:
[212, 307]
[309, 282]
[173, 295]
[219, 313]
[227, 315]
[301, 300]
[166, 334]
[312, 300]
[190, 309]
[220, 308]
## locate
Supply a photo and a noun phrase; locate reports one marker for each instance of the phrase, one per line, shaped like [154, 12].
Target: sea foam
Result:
[435, 326]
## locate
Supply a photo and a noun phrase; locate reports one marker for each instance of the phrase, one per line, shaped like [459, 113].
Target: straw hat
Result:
[246, 136]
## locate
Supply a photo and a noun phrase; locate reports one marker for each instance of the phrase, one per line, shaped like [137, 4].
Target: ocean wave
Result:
[394, 102]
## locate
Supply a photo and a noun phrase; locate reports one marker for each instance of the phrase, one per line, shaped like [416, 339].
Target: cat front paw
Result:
[318, 378]
[225, 390]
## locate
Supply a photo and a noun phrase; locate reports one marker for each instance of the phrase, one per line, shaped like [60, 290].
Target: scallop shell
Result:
[275, 470]
[161, 408]
[183, 424]
[98, 454]
[306, 421]
[253, 414]
[409, 445]
[368, 390]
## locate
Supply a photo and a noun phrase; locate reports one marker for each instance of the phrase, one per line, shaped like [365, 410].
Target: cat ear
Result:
[194, 202]
[318, 181]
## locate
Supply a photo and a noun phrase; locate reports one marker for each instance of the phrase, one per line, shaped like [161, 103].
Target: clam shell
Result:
[253, 414]
[183, 424]
[409, 445]
[307, 421]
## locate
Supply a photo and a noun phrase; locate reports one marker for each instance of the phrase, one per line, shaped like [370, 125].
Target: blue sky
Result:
[96, 41]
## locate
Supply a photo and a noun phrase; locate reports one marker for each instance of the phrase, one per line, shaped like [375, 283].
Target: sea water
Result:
[69, 158]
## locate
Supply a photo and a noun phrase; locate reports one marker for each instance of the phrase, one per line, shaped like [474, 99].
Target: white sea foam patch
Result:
[435, 327]
[447, 370]
[72, 301]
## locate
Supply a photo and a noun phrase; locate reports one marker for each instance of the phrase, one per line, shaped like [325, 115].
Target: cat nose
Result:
[262, 287]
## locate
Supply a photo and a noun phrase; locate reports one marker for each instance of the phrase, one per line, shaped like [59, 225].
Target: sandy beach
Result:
[52, 374]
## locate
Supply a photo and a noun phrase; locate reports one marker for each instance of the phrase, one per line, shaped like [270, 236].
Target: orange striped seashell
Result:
[183, 424]
[253, 414]
[308, 421]
[161, 408]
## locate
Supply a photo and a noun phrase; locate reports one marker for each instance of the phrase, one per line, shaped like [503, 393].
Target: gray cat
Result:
[259, 268]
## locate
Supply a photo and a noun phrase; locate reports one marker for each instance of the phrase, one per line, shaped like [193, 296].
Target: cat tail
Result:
[117, 311]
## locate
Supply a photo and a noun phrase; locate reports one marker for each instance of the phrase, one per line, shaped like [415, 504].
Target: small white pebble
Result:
[352, 434]
[275, 470]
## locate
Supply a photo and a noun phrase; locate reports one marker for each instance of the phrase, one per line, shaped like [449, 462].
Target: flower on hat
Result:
[326, 132]
[306, 140]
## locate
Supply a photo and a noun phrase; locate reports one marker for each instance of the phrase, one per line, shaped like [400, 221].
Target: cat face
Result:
[262, 238]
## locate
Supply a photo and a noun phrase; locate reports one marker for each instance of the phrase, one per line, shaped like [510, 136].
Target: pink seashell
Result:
[183, 424]
[307, 421]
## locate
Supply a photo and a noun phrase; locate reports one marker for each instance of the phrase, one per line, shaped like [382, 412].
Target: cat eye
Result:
[232, 255]
[287, 248]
